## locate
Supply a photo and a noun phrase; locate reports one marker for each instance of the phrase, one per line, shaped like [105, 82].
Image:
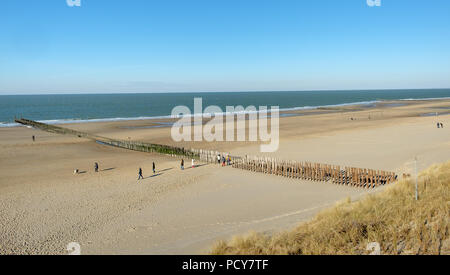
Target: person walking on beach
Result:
[96, 167]
[442, 125]
[193, 163]
[34, 138]
[154, 168]
[438, 125]
[218, 159]
[140, 174]
[182, 164]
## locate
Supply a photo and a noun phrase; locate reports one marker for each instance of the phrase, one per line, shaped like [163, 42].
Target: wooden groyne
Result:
[56, 129]
[209, 156]
[351, 176]
[125, 144]
[152, 148]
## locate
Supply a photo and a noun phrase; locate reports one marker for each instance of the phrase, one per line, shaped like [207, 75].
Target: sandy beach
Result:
[44, 206]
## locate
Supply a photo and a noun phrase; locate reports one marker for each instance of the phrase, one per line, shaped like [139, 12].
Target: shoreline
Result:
[283, 111]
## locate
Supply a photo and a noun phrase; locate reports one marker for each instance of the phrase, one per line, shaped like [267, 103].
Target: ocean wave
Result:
[424, 99]
[71, 121]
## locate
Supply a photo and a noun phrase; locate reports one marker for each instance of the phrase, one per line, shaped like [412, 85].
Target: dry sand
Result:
[43, 206]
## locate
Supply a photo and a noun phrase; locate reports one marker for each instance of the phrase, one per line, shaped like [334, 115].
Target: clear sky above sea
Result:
[107, 46]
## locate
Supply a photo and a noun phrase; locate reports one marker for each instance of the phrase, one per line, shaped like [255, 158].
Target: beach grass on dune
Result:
[393, 218]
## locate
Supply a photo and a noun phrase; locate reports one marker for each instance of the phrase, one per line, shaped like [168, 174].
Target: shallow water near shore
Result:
[75, 108]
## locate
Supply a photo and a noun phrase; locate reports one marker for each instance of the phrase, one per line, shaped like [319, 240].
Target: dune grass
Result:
[393, 218]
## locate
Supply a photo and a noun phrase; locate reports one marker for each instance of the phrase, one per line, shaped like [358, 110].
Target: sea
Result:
[76, 108]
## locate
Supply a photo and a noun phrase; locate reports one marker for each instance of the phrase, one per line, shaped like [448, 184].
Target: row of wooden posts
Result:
[152, 148]
[53, 128]
[199, 154]
[126, 144]
[210, 156]
[351, 176]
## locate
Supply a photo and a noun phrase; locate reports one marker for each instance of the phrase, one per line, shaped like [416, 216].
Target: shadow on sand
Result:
[152, 176]
[195, 166]
[167, 169]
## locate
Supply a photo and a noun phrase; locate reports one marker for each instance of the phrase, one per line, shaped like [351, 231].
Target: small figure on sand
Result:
[34, 138]
[182, 164]
[218, 159]
[140, 174]
[193, 163]
[442, 125]
[96, 167]
[76, 171]
[438, 125]
[223, 161]
[154, 168]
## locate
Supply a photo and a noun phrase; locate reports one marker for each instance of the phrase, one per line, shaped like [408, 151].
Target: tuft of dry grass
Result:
[393, 218]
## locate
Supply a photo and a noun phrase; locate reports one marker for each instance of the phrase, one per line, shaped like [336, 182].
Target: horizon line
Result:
[256, 91]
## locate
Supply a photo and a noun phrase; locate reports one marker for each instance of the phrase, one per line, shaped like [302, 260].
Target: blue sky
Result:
[107, 46]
